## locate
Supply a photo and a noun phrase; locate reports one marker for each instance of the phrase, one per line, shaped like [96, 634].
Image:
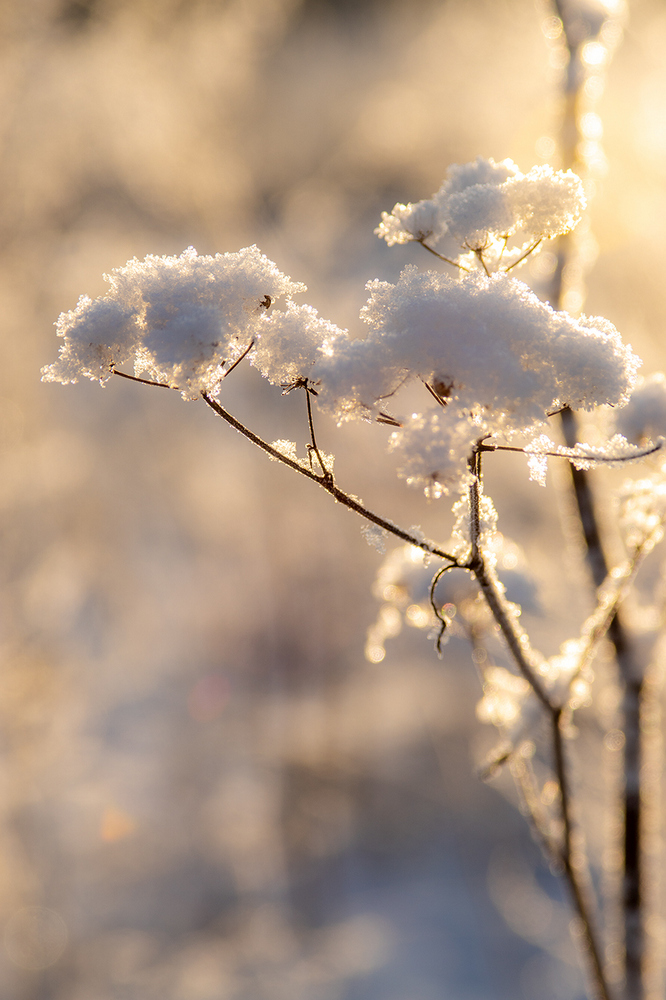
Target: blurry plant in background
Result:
[207, 794]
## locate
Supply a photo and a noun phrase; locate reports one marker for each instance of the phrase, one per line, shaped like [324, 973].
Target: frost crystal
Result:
[375, 536]
[174, 320]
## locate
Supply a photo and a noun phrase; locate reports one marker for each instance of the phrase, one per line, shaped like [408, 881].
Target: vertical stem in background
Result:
[572, 143]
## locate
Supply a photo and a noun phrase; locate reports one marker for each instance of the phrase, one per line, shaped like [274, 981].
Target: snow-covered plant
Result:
[495, 364]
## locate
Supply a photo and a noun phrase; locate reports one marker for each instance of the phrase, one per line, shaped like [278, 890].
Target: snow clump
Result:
[177, 320]
[498, 359]
[483, 204]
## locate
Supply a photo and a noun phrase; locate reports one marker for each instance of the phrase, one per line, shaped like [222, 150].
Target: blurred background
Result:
[206, 791]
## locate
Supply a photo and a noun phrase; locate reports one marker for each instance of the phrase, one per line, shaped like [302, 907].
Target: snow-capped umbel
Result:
[171, 319]
[500, 358]
[484, 201]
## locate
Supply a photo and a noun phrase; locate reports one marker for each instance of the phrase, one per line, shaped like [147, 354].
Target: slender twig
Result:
[239, 359]
[327, 483]
[444, 622]
[523, 256]
[505, 240]
[630, 677]
[325, 472]
[143, 381]
[478, 253]
[440, 256]
[572, 455]
[515, 638]
[386, 418]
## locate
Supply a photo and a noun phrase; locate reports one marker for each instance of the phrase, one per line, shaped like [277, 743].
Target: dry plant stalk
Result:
[496, 365]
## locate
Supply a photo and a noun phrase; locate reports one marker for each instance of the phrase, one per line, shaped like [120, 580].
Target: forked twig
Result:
[327, 483]
[524, 659]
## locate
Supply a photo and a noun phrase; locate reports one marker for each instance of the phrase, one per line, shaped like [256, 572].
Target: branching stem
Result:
[440, 256]
[327, 483]
[519, 646]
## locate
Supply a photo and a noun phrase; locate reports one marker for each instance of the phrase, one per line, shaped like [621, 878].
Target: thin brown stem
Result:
[515, 638]
[572, 865]
[440, 256]
[523, 256]
[143, 381]
[327, 483]
[239, 359]
[519, 646]
[479, 256]
[313, 441]
[574, 456]
[631, 680]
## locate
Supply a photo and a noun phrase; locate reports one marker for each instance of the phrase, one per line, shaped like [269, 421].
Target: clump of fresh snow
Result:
[174, 320]
[481, 205]
[499, 358]
[289, 342]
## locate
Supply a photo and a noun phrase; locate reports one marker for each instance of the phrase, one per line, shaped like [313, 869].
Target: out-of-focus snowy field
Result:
[206, 792]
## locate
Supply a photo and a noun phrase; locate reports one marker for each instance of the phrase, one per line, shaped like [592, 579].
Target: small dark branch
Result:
[583, 493]
[513, 638]
[632, 902]
[571, 865]
[143, 381]
[434, 394]
[243, 355]
[444, 622]
[447, 260]
[577, 456]
[479, 256]
[327, 484]
[386, 418]
[523, 256]
[441, 399]
[326, 473]
[632, 891]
